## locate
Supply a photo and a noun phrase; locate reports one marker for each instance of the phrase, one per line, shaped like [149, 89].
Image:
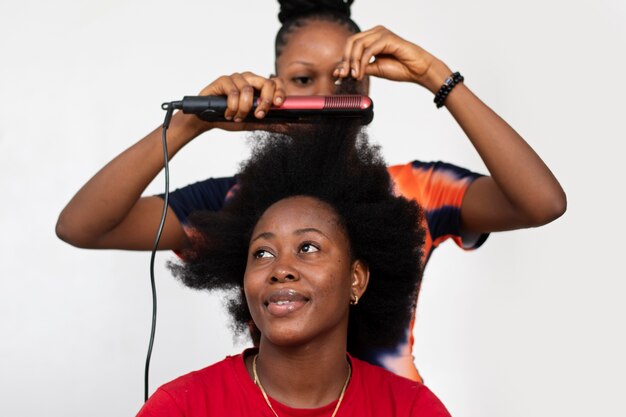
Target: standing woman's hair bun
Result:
[294, 14]
[293, 9]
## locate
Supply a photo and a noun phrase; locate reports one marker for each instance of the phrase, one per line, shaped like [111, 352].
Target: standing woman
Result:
[323, 258]
[317, 45]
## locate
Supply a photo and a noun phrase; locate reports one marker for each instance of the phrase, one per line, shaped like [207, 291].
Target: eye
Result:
[302, 80]
[309, 248]
[262, 253]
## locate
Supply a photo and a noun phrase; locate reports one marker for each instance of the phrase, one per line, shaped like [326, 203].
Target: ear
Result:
[360, 277]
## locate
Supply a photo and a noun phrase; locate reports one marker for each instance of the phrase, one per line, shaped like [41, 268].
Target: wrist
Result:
[447, 87]
[187, 126]
[436, 75]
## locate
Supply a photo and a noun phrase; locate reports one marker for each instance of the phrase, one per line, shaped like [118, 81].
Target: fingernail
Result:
[338, 81]
[238, 119]
[353, 72]
[279, 100]
[260, 114]
[229, 117]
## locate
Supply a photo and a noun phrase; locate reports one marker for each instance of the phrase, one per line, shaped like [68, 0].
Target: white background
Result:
[532, 324]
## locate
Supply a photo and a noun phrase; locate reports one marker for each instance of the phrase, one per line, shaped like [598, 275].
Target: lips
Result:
[285, 301]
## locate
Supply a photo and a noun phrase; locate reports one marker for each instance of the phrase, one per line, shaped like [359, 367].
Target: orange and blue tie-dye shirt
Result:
[438, 187]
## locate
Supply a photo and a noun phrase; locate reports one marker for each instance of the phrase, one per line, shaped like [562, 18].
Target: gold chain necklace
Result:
[257, 381]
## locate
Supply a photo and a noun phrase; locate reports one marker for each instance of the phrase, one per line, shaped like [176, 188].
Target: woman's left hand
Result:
[381, 53]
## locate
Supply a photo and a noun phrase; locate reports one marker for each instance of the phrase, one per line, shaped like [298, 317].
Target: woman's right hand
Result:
[240, 90]
[109, 212]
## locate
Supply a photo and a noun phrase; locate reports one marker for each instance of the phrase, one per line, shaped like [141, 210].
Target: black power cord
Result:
[169, 108]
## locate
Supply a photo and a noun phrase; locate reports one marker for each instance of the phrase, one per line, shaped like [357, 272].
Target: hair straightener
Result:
[295, 109]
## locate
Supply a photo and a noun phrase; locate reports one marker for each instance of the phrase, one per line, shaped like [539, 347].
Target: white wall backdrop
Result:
[532, 324]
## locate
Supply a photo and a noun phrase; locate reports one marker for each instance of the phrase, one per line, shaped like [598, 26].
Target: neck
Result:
[302, 377]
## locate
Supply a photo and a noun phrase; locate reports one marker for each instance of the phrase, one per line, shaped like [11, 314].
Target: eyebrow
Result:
[307, 63]
[264, 235]
[269, 235]
[310, 64]
[308, 230]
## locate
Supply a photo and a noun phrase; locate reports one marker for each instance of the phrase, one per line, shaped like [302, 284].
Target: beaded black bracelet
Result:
[447, 86]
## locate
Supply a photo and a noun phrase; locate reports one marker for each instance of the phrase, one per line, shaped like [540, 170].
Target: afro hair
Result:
[334, 163]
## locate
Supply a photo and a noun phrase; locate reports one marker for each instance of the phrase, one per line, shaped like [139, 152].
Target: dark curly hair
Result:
[334, 163]
[296, 13]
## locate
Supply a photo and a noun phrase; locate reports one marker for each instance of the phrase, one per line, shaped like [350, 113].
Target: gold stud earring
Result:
[354, 301]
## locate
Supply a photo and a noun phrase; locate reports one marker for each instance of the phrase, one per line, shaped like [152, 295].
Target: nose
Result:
[284, 272]
[325, 87]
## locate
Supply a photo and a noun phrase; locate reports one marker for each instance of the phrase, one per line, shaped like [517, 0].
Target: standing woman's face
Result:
[299, 275]
[310, 56]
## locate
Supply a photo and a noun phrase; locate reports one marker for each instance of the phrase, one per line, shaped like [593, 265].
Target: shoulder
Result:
[432, 184]
[209, 194]
[375, 376]
[200, 379]
[224, 388]
[405, 396]
[428, 168]
[194, 393]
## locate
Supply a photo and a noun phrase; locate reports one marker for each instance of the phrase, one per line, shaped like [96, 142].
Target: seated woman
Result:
[324, 261]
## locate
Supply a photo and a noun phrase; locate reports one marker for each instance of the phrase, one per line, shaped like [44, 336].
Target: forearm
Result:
[108, 197]
[534, 194]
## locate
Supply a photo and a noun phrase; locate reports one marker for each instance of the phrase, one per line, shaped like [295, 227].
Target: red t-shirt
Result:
[226, 389]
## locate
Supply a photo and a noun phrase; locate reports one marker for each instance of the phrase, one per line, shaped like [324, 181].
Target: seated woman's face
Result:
[299, 275]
